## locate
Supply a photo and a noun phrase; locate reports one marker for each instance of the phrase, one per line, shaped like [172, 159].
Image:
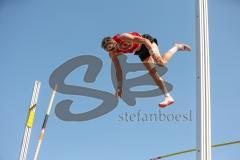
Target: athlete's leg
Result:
[162, 60]
[150, 66]
[156, 56]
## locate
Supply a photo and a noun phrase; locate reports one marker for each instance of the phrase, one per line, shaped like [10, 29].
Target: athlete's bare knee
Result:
[164, 61]
[161, 63]
[159, 60]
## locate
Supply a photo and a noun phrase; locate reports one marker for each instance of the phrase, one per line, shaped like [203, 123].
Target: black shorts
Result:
[143, 53]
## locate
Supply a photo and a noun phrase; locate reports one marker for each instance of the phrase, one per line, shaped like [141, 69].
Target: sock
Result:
[167, 95]
[174, 49]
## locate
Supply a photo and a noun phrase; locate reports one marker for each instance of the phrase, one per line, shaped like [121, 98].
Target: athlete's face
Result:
[111, 46]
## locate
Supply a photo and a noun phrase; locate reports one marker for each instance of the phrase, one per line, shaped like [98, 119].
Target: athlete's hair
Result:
[105, 40]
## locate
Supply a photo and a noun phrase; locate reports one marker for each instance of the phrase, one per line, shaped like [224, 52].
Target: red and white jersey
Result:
[125, 46]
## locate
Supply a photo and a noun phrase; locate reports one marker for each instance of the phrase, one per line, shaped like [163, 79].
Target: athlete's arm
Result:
[136, 39]
[118, 74]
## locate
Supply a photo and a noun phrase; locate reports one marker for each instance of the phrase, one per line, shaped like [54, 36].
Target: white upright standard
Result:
[29, 121]
[203, 83]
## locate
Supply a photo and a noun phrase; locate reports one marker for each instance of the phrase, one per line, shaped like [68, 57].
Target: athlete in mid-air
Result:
[146, 47]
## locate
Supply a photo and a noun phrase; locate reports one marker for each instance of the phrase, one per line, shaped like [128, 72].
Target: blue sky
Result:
[39, 36]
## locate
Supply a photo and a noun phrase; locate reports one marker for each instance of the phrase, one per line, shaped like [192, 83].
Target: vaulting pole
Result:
[45, 123]
[193, 150]
[203, 83]
[29, 121]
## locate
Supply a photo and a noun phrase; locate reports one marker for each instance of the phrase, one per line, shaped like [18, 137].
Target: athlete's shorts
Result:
[143, 53]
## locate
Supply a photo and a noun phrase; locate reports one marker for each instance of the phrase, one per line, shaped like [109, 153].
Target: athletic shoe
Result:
[166, 102]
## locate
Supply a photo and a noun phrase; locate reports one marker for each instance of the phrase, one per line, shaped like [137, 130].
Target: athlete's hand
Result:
[118, 92]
